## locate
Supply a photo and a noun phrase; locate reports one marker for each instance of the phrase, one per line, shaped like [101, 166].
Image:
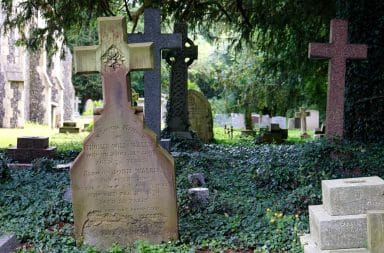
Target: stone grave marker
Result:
[76, 112]
[237, 120]
[179, 60]
[302, 114]
[313, 120]
[69, 127]
[344, 222]
[265, 121]
[152, 88]
[88, 105]
[338, 51]
[30, 148]
[282, 121]
[200, 115]
[123, 182]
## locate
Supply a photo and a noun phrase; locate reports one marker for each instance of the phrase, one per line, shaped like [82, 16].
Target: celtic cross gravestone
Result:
[180, 60]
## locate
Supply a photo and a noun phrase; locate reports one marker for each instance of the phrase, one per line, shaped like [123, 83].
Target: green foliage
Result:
[259, 197]
[364, 102]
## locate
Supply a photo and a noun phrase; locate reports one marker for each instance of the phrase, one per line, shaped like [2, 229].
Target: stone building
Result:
[33, 86]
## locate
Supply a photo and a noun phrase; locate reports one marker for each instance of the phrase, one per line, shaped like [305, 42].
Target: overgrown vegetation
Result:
[259, 197]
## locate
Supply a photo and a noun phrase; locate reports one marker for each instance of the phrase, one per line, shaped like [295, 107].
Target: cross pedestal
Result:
[123, 182]
[180, 59]
[152, 78]
[338, 51]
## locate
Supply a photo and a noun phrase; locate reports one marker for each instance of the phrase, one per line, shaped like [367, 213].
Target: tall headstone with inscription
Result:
[123, 182]
[180, 60]
[152, 87]
[337, 51]
[200, 115]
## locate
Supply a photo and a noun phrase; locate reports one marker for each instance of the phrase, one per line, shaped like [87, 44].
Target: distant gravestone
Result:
[338, 51]
[76, 107]
[179, 60]
[152, 87]
[123, 183]
[313, 120]
[30, 148]
[302, 115]
[265, 121]
[88, 105]
[282, 121]
[237, 120]
[200, 115]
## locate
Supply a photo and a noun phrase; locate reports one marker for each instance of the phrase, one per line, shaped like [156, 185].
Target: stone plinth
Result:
[311, 247]
[31, 148]
[337, 232]
[375, 231]
[353, 195]
[69, 127]
[34, 142]
[8, 243]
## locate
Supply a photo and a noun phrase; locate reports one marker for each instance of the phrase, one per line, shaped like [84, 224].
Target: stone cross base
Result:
[346, 220]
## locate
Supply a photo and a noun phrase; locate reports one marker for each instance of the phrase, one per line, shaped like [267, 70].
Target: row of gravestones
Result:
[123, 182]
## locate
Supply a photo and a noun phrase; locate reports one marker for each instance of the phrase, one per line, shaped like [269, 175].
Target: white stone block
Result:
[353, 195]
[337, 232]
[311, 247]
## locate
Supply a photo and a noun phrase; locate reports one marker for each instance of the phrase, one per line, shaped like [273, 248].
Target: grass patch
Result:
[60, 140]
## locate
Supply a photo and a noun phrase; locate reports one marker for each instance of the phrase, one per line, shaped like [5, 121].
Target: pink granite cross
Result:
[338, 51]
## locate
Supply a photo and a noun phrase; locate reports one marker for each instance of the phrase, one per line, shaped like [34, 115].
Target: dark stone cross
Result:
[180, 60]
[338, 51]
[152, 80]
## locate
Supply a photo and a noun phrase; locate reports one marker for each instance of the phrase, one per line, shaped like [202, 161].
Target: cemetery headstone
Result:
[177, 120]
[152, 88]
[282, 121]
[69, 127]
[30, 148]
[200, 116]
[302, 114]
[273, 135]
[123, 182]
[265, 121]
[313, 120]
[338, 51]
[76, 112]
[199, 195]
[340, 224]
[88, 106]
[237, 120]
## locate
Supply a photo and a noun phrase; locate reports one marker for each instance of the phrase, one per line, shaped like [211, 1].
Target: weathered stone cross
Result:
[180, 60]
[152, 86]
[302, 114]
[338, 51]
[114, 58]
